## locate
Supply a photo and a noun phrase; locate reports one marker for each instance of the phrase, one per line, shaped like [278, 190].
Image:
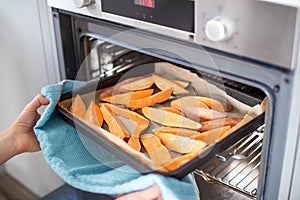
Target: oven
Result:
[247, 48]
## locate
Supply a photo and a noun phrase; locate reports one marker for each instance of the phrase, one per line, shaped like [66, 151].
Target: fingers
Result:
[151, 193]
[37, 102]
[37, 117]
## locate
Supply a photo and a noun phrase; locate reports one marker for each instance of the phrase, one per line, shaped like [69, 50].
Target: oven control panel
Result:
[263, 30]
[260, 30]
[177, 14]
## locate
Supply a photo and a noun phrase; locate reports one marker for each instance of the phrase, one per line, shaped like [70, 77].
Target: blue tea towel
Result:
[64, 150]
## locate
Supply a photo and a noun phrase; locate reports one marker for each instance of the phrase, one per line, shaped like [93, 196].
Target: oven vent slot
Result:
[238, 166]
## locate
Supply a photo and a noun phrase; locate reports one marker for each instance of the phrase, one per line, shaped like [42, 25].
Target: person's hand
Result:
[23, 126]
[151, 193]
[20, 137]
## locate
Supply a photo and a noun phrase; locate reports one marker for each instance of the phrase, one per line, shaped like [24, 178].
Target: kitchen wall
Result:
[27, 63]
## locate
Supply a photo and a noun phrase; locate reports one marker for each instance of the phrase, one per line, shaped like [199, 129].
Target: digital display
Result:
[146, 3]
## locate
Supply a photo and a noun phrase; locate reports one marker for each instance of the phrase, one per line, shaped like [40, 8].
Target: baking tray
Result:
[134, 162]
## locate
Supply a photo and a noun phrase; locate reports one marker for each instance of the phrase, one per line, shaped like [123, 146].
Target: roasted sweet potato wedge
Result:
[93, 114]
[211, 103]
[177, 131]
[164, 84]
[158, 153]
[211, 136]
[115, 126]
[127, 113]
[226, 104]
[169, 119]
[113, 90]
[141, 123]
[180, 144]
[185, 102]
[173, 110]
[78, 108]
[134, 142]
[198, 114]
[125, 98]
[140, 84]
[216, 123]
[199, 101]
[150, 100]
[181, 160]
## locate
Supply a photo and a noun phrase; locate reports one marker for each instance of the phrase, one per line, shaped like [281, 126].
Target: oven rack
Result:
[237, 167]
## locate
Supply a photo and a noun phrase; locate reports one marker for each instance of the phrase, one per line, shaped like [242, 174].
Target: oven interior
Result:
[237, 169]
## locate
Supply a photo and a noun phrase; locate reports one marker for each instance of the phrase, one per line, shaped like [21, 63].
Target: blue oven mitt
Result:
[64, 149]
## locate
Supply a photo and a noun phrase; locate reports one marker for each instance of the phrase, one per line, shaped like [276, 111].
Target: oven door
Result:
[95, 49]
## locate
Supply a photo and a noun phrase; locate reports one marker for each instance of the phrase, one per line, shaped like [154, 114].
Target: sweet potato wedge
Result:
[211, 136]
[177, 131]
[173, 110]
[181, 160]
[93, 114]
[169, 119]
[127, 114]
[226, 104]
[134, 142]
[158, 153]
[78, 108]
[125, 98]
[115, 126]
[180, 144]
[211, 103]
[113, 90]
[216, 123]
[185, 102]
[142, 123]
[150, 100]
[140, 84]
[198, 114]
[164, 84]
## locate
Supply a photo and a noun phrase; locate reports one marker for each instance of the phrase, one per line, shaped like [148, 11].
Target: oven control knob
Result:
[82, 3]
[218, 29]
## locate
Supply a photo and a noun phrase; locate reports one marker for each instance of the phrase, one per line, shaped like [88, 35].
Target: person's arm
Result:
[20, 137]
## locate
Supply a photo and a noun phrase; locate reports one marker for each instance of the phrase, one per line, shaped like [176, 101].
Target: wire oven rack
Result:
[238, 166]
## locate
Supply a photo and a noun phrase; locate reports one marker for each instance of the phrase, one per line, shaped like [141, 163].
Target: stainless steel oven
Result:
[248, 48]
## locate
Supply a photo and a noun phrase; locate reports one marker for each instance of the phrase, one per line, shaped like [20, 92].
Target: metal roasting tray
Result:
[134, 162]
